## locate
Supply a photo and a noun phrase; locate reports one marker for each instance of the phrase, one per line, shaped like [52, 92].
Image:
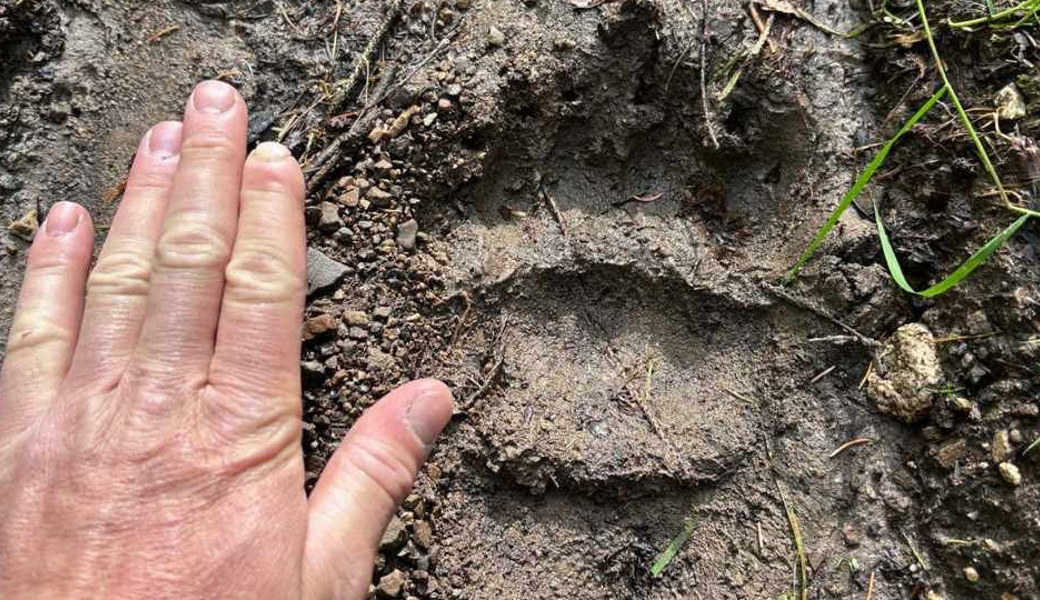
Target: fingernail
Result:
[164, 139]
[63, 218]
[213, 97]
[270, 152]
[428, 414]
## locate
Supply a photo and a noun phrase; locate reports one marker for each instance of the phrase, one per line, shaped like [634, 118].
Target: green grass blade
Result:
[1032, 446]
[673, 548]
[980, 256]
[860, 183]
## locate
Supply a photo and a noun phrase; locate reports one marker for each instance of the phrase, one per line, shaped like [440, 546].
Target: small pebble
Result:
[391, 584]
[1001, 447]
[495, 37]
[1010, 473]
[406, 233]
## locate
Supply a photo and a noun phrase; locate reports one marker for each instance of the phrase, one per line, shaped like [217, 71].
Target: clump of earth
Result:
[577, 214]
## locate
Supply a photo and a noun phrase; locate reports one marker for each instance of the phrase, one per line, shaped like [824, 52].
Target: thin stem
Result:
[979, 148]
[1027, 5]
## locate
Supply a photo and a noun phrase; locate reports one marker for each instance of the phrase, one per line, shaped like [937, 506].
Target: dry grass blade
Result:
[799, 547]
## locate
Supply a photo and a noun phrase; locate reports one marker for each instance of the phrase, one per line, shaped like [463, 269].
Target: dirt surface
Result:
[544, 206]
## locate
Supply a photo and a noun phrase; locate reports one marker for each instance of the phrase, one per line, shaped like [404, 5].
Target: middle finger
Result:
[194, 247]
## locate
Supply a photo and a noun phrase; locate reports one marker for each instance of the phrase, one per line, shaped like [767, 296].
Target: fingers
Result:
[46, 324]
[258, 338]
[195, 242]
[364, 482]
[117, 289]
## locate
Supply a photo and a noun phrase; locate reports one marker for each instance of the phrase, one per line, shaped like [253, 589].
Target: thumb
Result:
[362, 485]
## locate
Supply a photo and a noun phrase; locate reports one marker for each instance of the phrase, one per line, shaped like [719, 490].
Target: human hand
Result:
[150, 414]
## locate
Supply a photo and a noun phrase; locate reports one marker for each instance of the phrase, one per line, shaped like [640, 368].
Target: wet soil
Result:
[544, 206]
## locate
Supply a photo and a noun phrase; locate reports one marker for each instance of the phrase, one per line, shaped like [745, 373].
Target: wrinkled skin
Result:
[150, 413]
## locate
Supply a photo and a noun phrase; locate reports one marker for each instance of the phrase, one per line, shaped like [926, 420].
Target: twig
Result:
[433, 54]
[462, 319]
[551, 203]
[493, 373]
[870, 586]
[913, 549]
[866, 375]
[709, 117]
[642, 398]
[737, 396]
[285, 15]
[158, 35]
[849, 444]
[823, 374]
[363, 60]
[760, 25]
[328, 158]
[783, 295]
[835, 339]
[755, 50]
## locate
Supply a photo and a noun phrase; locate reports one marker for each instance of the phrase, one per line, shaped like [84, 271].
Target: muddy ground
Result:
[544, 205]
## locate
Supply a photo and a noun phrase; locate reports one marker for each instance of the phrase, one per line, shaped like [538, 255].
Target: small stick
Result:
[462, 319]
[757, 18]
[835, 339]
[493, 373]
[913, 549]
[554, 210]
[823, 374]
[709, 117]
[870, 586]
[115, 192]
[362, 62]
[850, 444]
[285, 15]
[736, 395]
[779, 293]
[329, 158]
[158, 35]
[866, 374]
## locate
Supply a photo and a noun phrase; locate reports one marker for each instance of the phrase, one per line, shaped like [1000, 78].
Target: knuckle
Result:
[192, 246]
[268, 184]
[46, 262]
[122, 273]
[258, 273]
[35, 331]
[386, 467]
[208, 144]
[264, 184]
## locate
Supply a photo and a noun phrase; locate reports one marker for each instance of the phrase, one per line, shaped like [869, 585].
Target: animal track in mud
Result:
[623, 381]
[624, 332]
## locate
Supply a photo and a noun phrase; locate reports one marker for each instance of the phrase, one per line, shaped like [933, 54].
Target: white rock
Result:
[1010, 104]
